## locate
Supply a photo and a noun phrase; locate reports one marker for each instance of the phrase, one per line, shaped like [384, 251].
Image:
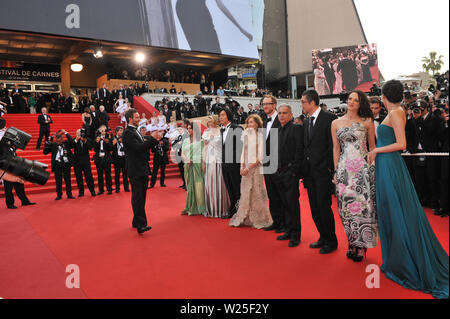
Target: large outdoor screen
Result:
[212, 26]
[345, 69]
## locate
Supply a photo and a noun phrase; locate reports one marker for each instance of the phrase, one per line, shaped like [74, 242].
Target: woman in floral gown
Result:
[355, 178]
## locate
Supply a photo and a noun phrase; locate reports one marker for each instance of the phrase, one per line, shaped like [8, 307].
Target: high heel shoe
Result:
[358, 258]
[350, 252]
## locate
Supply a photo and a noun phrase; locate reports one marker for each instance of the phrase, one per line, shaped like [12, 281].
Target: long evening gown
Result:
[216, 194]
[253, 206]
[193, 174]
[338, 85]
[412, 255]
[356, 188]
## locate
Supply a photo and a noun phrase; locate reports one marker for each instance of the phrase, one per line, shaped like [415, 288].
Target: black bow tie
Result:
[222, 130]
[377, 120]
[269, 120]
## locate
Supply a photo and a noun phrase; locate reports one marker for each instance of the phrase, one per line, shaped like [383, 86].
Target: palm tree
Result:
[431, 63]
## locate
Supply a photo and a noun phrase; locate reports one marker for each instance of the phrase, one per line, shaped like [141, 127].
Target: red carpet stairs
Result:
[69, 122]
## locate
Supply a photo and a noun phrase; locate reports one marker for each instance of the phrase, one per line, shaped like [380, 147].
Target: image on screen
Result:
[345, 69]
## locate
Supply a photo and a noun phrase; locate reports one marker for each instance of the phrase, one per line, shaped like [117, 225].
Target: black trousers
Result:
[181, 168]
[287, 185]
[138, 196]
[120, 167]
[104, 173]
[318, 186]
[444, 183]
[275, 202]
[60, 172]
[80, 169]
[232, 178]
[156, 165]
[20, 192]
[427, 180]
[42, 133]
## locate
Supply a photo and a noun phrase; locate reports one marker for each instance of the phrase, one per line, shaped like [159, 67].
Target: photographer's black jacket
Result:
[81, 152]
[164, 148]
[115, 156]
[107, 148]
[53, 148]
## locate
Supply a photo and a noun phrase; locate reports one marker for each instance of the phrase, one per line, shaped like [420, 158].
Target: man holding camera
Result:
[160, 159]
[62, 161]
[118, 155]
[82, 162]
[103, 160]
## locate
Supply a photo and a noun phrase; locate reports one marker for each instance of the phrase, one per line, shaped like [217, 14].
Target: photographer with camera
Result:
[200, 104]
[62, 161]
[11, 182]
[82, 163]
[160, 160]
[444, 180]
[118, 155]
[427, 168]
[103, 159]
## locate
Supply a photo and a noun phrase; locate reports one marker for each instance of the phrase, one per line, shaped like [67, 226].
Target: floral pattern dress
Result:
[356, 189]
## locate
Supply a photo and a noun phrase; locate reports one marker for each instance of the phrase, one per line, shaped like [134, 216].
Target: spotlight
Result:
[140, 57]
[76, 67]
[98, 54]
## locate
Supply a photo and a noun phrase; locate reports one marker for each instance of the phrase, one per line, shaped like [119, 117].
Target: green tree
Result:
[432, 63]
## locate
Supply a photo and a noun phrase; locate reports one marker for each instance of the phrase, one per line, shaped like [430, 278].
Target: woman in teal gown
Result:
[412, 255]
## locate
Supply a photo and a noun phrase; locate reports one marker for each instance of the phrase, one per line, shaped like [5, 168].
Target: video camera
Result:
[31, 171]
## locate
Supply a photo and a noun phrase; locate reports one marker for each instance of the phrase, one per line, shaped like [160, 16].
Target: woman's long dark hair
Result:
[364, 105]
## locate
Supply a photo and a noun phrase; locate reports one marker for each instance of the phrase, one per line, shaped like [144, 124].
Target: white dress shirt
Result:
[269, 124]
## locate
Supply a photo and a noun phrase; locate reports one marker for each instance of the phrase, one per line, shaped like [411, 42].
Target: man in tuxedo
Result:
[231, 154]
[103, 160]
[44, 121]
[349, 74]
[329, 73]
[318, 170]
[8, 99]
[173, 90]
[82, 162]
[19, 102]
[167, 113]
[271, 126]
[95, 120]
[378, 117]
[160, 160]
[104, 95]
[286, 179]
[136, 149]
[118, 155]
[216, 107]
[103, 117]
[178, 108]
[251, 110]
[62, 161]
[427, 168]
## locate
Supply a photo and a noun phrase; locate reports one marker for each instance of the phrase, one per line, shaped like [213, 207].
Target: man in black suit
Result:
[251, 110]
[95, 120]
[167, 113]
[272, 125]
[136, 149]
[378, 115]
[216, 107]
[62, 161]
[103, 117]
[44, 121]
[118, 154]
[427, 168]
[443, 133]
[173, 90]
[240, 116]
[82, 162]
[231, 154]
[17, 95]
[160, 159]
[318, 170]
[146, 88]
[329, 73]
[104, 95]
[290, 159]
[103, 160]
[178, 108]
[8, 99]
[349, 74]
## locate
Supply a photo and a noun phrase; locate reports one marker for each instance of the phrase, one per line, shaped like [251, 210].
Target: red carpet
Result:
[143, 106]
[365, 87]
[181, 257]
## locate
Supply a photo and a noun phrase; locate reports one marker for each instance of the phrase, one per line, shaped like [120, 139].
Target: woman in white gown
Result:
[320, 80]
[216, 195]
[121, 107]
[253, 207]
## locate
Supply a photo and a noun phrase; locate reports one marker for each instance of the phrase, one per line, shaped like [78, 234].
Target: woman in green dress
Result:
[192, 150]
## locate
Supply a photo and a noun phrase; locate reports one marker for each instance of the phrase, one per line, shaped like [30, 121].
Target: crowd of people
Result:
[343, 69]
